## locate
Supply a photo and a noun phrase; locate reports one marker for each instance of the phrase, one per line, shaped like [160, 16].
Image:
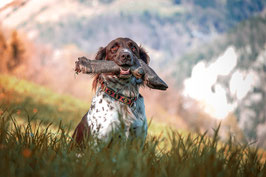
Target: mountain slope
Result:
[171, 27]
[243, 84]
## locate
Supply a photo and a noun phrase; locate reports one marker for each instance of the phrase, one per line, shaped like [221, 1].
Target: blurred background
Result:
[212, 54]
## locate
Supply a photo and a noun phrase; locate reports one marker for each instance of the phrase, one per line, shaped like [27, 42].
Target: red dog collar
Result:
[126, 100]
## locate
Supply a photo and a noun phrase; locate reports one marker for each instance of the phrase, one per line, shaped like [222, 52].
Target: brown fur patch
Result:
[81, 131]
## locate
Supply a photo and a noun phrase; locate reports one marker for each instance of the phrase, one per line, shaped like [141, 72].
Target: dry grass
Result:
[35, 142]
[28, 151]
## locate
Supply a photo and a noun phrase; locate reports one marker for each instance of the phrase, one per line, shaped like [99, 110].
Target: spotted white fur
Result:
[106, 115]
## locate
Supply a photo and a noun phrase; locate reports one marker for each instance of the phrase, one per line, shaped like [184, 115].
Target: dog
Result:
[117, 102]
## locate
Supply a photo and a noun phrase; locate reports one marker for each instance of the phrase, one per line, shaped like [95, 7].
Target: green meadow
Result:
[36, 125]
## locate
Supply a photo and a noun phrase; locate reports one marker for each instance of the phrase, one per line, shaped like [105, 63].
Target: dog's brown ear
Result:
[143, 55]
[101, 54]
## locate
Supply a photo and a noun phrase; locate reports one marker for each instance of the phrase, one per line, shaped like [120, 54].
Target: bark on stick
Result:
[139, 70]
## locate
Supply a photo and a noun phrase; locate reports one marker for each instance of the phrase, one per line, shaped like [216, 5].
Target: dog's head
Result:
[125, 53]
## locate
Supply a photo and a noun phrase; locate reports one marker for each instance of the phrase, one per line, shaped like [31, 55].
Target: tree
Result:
[16, 52]
[3, 48]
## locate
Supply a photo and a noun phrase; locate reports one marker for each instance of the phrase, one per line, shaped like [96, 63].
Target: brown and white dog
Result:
[117, 100]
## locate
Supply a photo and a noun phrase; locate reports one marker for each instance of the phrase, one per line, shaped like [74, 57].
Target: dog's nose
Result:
[125, 57]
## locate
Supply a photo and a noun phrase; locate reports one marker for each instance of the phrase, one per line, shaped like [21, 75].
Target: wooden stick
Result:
[87, 66]
[151, 78]
[139, 70]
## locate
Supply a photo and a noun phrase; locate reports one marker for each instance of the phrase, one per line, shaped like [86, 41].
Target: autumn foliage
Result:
[13, 52]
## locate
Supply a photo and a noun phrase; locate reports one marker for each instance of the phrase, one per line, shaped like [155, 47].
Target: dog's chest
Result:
[107, 115]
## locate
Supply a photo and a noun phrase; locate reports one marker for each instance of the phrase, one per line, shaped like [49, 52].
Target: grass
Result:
[28, 150]
[27, 98]
[34, 141]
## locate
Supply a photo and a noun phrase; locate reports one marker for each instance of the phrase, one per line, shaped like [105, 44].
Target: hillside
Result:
[211, 53]
[24, 99]
[234, 67]
[35, 140]
[168, 27]
[46, 148]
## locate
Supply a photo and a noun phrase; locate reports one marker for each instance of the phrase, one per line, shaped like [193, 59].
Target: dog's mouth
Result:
[125, 71]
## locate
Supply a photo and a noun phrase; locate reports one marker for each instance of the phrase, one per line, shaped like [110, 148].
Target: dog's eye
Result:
[133, 49]
[114, 48]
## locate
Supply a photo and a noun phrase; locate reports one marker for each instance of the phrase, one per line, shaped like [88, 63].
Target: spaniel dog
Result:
[117, 103]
